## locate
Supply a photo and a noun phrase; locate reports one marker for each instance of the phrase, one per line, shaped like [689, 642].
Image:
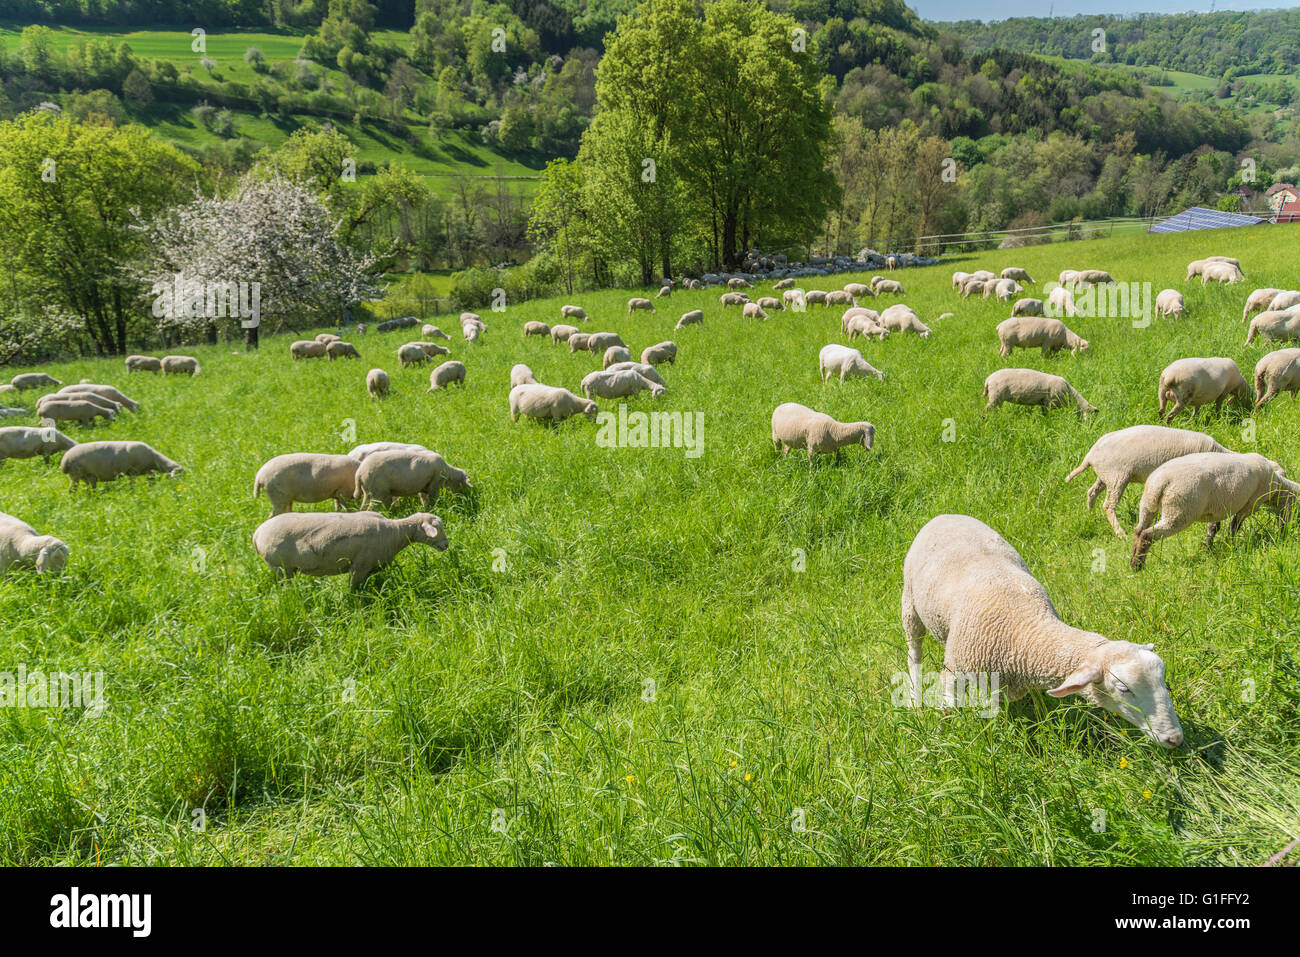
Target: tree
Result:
[557, 214]
[67, 196]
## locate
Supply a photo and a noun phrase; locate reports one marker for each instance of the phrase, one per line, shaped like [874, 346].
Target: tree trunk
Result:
[729, 238]
[250, 338]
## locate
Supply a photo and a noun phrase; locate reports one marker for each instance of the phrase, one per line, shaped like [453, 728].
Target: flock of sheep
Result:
[963, 583]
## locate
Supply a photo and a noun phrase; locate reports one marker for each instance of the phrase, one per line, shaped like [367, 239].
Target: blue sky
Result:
[1002, 9]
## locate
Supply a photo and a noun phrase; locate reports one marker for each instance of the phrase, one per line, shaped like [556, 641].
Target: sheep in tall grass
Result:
[21, 442]
[143, 364]
[1199, 381]
[573, 312]
[33, 380]
[1221, 272]
[1275, 373]
[1030, 387]
[1257, 301]
[548, 403]
[107, 391]
[620, 384]
[659, 352]
[796, 426]
[561, 333]
[360, 543]
[646, 370]
[1169, 302]
[1280, 325]
[693, 318]
[447, 374]
[377, 383]
[638, 302]
[1027, 307]
[536, 329]
[395, 474]
[180, 365]
[753, 310]
[21, 546]
[600, 341]
[845, 362]
[433, 332]
[520, 374]
[82, 411]
[95, 462]
[615, 354]
[1197, 266]
[1015, 272]
[363, 452]
[305, 477]
[338, 349]
[901, 318]
[412, 354]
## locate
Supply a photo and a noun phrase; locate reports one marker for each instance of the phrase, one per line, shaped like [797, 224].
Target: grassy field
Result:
[632, 656]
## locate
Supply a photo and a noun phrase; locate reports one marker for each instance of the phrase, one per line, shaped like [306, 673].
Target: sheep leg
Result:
[360, 573]
[1268, 397]
[914, 628]
[1113, 495]
[1211, 530]
[1178, 407]
[1143, 540]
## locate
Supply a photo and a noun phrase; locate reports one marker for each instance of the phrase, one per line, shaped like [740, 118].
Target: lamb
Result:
[1221, 272]
[814, 297]
[521, 374]
[1092, 277]
[891, 262]
[1281, 325]
[1258, 300]
[615, 354]
[1199, 381]
[432, 349]
[664, 292]
[363, 452]
[471, 331]
[1004, 289]
[33, 380]
[1030, 387]
[22, 547]
[733, 299]
[796, 426]
[892, 286]
[561, 333]
[398, 473]
[794, 299]
[857, 290]
[648, 371]
[967, 586]
[659, 352]
[20, 442]
[377, 383]
[433, 332]
[327, 337]
[1030, 332]
[692, 284]
[573, 312]
[411, 354]
[1132, 454]
[1275, 373]
[536, 329]
[865, 326]
[771, 303]
[692, 318]
[735, 282]
[600, 341]
[1209, 487]
[544, 402]
[838, 297]
[900, 318]
[1169, 302]
[333, 544]
[1027, 307]
[636, 303]
[143, 364]
[307, 349]
[848, 363]
[959, 279]
[1015, 272]
[754, 311]
[1060, 302]
[579, 340]
[1068, 277]
[306, 477]
[75, 410]
[94, 462]
[107, 391]
[858, 312]
[1284, 300]
[1197, 266]
[180, 365]
[449, 372]
[473, 317]
[972, 286]
[108, 405]
[338, 349]
[619, 384]
[783, 284]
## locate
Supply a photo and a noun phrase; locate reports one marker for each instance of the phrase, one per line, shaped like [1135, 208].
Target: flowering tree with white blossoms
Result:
[269, 248]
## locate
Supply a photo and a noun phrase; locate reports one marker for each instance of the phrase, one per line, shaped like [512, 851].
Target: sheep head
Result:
[1127, 679]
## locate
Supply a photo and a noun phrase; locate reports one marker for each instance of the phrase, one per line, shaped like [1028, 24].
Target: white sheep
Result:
[433, 332]
[984, 275]
[89, 398]
[692, 318]
[536, 329]
[1280, 325]
[327, 337]
[21, 442]
[619, 384]
[735, 282]
[471, 332]
[1092, 277]
[814, 297]
[1015, 272]
[316, 543]
[75, 410]
[1037, 332]
[338, 349]
[1004, 289]
[733, 299]
[838, 297]
[180, 365]
[578, 341]
[106, 391]
[143, 364]
[22, 547]
[1068, 277]
[1257, 301]
[1275, 373]
[95, 462]
[33, 380]
[959, 279]
[857, 290]
[377, 383]
[1221, 272]
[450, 372]
[659, 352]
[1169, 302]
[520, 374]
[890, 286]
[412, 354]
[1132, 454]
[573, 312]
[1209, 487]
[398, 473]
[548, 403]
[1060, 302]
[1200, 381]
[771, 303]
[783, 284]
[1284, 300]
[664, 292]
[845, 362]
[1027, 307]
[796, 426]
[363, 452]
[967, 586]
[1197, 266]
[866, 326]
[637, 302]
[305, 477]
[1030, 387]
[900, 318]
[648, 371]
[754, 311]
[561, 333]
[598, 342]
[793, 298]
[615, 354]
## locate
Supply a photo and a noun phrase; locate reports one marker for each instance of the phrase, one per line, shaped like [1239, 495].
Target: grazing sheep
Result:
[75, 410]
[363, 452]
[858, 312]
[736, 282]
[984, 274]
[108, 405]
[865, 326]
[967, 586]
[411, 355]
[845, 362]
[890, 263]
[180, 365]
[1130, 455]
[1030, 387]
[733, 299]
[143, 364]
[305, 477]
[94, 462]
[1209, 487]
[638, 303]
[328, 337]
[307, 349]
[975, 286]
[338, 349]
[1199, 381]
[579, 340]
[619, 384]
[891, 286]
[1027, 307]
[473, 317]
[771, 303]
[1284, 300]
[471, 331]
[900, 318]
[959, 279]
[615, 354]
[1015, 272]
[1197, 266]
[659, 352]
[1258, 300]
[561, 333]
[814, 297]
[838, 297]
[857, 290]
[315, 543]
[536, 329]
[20, 442]
[1281, 325]
[107, 391]
[573, 312]
[1068, 277]
[1032, 332]
[432, 349]
[600, 341]
[377, 383]
[648, 371]
[449, 372]
[1004, 289]
[793, 298]
[1060, 302]
[796, 426]
[433, 332]
[33, 380]
[1275, 373]
[521, 374]
[1169, 302]
[664, 292]
[783, 284]
[754, 311]
[1221, 272]
[692, 318]
[398, 473]
[22, 547]
[692, 284]
[1092, 277]
[544, 402]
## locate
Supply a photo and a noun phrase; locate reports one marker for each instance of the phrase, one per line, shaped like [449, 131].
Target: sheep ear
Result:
[1075, 683]
[430, 529]
[1148, 647]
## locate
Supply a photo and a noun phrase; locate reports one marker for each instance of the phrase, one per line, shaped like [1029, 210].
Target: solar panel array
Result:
[1198, 217]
